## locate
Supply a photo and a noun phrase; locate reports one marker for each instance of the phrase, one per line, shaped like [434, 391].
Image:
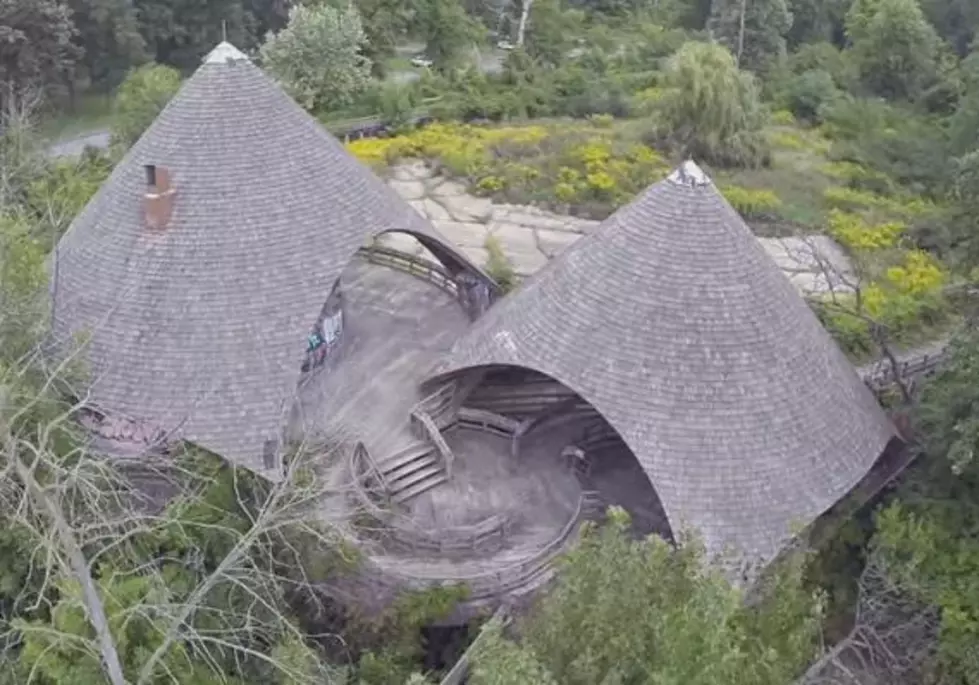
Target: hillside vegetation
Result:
[854, 119]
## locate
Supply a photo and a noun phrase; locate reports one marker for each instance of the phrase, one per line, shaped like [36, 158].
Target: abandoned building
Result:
[230, 293]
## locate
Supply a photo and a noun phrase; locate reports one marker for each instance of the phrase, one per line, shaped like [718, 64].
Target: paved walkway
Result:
[531, 236]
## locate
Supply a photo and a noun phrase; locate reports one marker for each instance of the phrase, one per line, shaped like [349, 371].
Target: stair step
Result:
[420, 487]
[409, 479]
[396, 479]
[404, 457]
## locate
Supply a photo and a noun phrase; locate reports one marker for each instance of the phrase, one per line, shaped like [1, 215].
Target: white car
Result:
[421, 62]
[505, 45]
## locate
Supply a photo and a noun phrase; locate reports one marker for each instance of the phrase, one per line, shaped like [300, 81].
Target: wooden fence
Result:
[507, 579]
[489, 535]
[427, 429]
[416, 266]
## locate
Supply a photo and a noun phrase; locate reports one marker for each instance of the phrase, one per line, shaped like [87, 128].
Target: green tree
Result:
[449, 32]
[927, 537]
[627, 611]
[385, 24]
[710, 110]
[550, 29]
[36, 48]
[894, 48]
[317, 57]
[141, 98]
[180, 33]
[753, 30]
[956, 20]
[816, 20]
[108, 34]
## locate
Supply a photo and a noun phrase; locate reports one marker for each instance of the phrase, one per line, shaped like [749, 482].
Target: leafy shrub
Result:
[752, 203]
[783, 117]
[498, 265]
[711, 110]
[788, 140]
[141, 98]
[490, 184]
[810, 93]
[851, 230]
[851, 332]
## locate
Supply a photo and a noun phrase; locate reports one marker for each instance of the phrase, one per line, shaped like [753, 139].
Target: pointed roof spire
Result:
[689, 174]
[676, 325]
[200, 328]
[225, 52]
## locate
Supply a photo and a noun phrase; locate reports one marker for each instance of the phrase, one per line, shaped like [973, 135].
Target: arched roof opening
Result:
[554, 422]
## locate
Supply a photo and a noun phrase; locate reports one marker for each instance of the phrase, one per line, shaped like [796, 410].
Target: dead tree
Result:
[892, 640]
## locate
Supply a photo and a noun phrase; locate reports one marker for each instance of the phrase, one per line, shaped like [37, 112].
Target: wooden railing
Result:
[487, 535]
[439, 404]
[882, 374]
[416, 266]
[490, 422]
[363, 470]
[427, 428]
[495, 583]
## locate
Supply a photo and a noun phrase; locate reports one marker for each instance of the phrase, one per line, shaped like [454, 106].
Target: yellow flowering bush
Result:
[853, 199]
[783, 117]
[601, 181]
[920, 274]
[586, 164]
[854, 232]
[752, 203]
[490, 184]
[788, 140]
[565, 192]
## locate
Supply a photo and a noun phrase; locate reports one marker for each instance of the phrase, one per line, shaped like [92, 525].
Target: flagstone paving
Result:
[530, 236]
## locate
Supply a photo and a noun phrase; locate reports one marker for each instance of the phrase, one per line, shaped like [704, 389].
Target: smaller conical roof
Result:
[201, 327]
[673, 322]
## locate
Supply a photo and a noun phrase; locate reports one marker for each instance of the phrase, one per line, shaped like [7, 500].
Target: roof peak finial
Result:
[225, 52]
[690, 175]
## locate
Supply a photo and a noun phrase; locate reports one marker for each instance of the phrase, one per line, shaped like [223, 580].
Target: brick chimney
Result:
[159, 197]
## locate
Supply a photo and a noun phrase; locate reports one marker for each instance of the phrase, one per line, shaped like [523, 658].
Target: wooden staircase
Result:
[412, 471]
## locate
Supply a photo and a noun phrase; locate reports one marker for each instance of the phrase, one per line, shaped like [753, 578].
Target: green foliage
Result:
[895, 49]
[757, 40]
[180, 33]
[62, 191]
[752, 203]
[808, 94]
[710, 110]
[398, 634]
[627, 611]
[141, 98]
[549, 30]
[499, 266]
[36, 48]
[926, 538]
[317, 56]
[449, 32]
[108, 34]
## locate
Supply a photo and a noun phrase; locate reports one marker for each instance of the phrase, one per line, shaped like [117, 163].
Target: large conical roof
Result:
[201, 326]
[673, 322]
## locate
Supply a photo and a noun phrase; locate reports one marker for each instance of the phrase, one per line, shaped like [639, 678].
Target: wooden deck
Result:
[397, 328]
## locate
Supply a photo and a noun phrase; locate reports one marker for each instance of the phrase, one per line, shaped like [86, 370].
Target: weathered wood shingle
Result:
[677, 326]
[203, 325]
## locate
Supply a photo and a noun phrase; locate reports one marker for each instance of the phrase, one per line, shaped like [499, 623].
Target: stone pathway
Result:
[531, 236]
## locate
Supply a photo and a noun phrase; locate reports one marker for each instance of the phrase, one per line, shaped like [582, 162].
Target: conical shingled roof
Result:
[673, 322]
[202, 325]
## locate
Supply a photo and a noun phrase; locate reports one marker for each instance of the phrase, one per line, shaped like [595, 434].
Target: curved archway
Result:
[450, 257]
[553, 420]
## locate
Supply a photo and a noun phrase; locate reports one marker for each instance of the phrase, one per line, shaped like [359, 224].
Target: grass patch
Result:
[91, 112]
